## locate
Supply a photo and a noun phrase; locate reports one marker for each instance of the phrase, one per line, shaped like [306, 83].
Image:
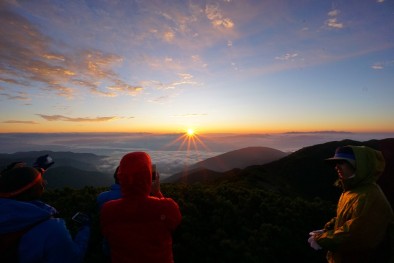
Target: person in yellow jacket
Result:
[359, 231]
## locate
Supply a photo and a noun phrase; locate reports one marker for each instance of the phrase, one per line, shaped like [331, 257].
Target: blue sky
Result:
[220, 66]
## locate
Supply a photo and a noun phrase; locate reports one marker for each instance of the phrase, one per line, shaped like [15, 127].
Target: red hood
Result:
[135, 174]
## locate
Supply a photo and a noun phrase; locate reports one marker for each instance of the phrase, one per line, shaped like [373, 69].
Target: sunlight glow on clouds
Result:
[54, 70]
[214, 14]
[20, 122]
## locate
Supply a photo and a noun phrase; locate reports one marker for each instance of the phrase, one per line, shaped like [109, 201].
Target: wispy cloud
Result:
[77, 119]
[216, 17]
[36, 58]
[21, 96]
[382, 64]
[19, 122]
[377, 66]
[184, 79]
[288, 56]
[332, 20]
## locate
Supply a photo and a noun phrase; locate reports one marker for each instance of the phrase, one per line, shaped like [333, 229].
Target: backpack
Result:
[9, 244]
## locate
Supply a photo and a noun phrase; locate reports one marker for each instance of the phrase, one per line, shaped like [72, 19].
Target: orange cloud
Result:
[35, 59]
[79, 119]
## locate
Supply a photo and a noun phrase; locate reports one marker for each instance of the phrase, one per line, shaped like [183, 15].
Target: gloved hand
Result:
[312, 241]
[43, 162]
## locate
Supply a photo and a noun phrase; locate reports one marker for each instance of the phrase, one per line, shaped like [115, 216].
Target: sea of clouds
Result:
[171, 152]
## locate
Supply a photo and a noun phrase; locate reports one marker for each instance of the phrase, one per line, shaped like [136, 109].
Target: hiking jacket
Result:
[363, 213]
[112, 194]
[138, 226]
[49, 240]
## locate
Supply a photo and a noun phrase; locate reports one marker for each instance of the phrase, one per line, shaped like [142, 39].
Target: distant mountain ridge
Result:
[74, 170]
[218, 166]
[303, 173]
[83, 161]
[241, 158]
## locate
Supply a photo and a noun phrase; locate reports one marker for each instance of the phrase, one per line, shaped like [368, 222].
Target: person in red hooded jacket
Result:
[139, 225]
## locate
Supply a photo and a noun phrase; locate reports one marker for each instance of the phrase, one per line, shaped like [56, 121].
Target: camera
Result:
[154, 172]
[43, 162]
[81, 218]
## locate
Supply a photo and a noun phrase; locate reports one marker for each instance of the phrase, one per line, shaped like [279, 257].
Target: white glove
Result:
[311, 240]
[315, 232]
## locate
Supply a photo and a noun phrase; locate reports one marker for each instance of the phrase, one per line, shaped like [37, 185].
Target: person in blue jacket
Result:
[42, 237]
[112, 194]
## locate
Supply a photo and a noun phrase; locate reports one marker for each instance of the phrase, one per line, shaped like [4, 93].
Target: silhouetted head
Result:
[135, 174]
[344, 153]
[21, 183]
[116, 175]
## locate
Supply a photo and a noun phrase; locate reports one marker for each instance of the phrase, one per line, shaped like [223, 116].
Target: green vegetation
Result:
[222, 222]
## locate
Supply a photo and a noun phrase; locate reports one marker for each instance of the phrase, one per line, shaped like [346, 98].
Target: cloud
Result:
[22, 96]
[288, 56]
[79, 119]
[12, 81]
[377, 66]
[61, 91]
[169, 36]
[19, 122]
[32, 59]
[382, 65]
[332, 20]
[216, 17]
[184, 79]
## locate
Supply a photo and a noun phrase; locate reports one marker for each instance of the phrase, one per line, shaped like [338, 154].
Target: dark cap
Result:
[344, 153]
[16, 181]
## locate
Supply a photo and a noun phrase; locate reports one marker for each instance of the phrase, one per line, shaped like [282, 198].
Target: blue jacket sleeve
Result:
[51, 242]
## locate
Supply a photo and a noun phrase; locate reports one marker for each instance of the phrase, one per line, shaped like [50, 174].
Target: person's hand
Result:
[317, 232]
[312, 241]
[155, 188]
[82, 219]
[43, 162]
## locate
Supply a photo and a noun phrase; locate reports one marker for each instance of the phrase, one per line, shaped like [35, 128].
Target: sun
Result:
[190, 132]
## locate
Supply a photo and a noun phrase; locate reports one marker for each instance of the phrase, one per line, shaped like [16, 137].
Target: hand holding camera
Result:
[43, 162]
[155, 188]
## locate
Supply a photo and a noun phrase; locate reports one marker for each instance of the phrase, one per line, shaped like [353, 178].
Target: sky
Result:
[220, 66]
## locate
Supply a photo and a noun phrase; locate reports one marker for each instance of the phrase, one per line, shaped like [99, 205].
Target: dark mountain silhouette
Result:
[74, 170]
[83, 161]
[303, 173]
[240, 159]
[221, 165]
[67, 176]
